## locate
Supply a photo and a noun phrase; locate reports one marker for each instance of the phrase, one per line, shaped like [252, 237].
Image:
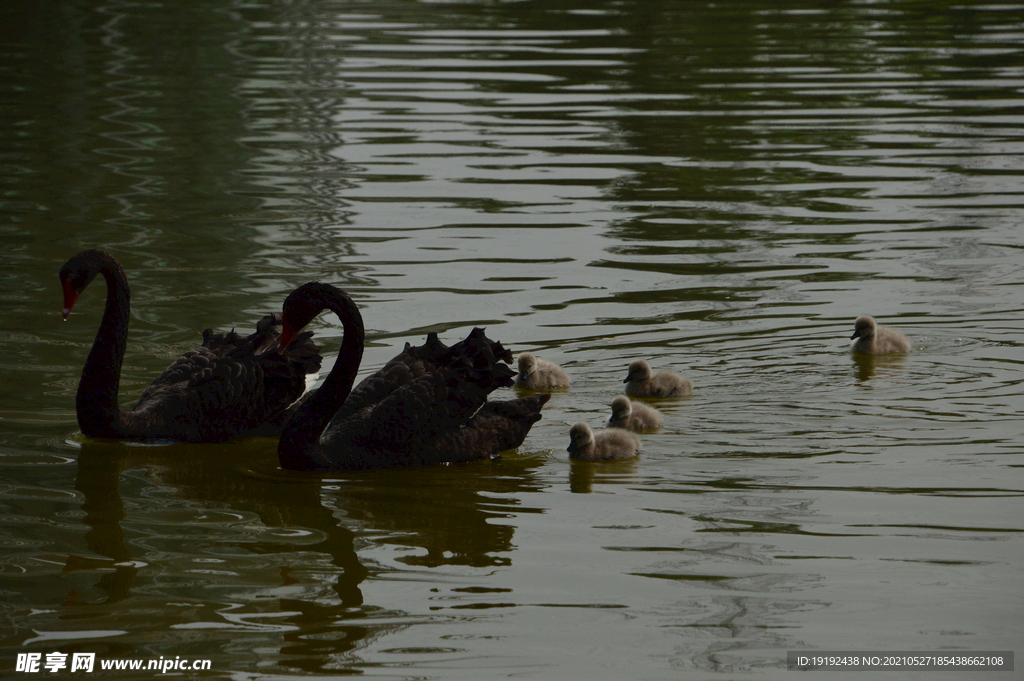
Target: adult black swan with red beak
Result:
[426, 406]
[229, 386]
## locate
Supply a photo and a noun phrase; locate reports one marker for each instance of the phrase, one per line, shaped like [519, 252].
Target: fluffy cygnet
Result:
[640, 382]
[539, 374]
[604, 445]
[633, 415]
[872, 339]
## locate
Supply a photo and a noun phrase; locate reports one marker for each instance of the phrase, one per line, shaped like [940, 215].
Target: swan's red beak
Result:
[287, 336]
[70, 298]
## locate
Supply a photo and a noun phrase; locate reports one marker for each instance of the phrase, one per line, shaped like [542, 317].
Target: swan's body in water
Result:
[227, 387]
[426, 406]
[604, 445]
[641, 383]
[633, 415]
[871, 339]
[539, 374]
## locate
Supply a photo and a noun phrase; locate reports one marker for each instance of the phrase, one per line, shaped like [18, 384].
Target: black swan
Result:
[871, 339]
[426, 406]
[229, 386]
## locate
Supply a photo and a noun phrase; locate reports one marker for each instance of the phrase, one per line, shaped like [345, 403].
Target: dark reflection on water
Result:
[868, 365]
[719, 188]
[583, 475]
[217, 478]
[206, 474]
[195, 488]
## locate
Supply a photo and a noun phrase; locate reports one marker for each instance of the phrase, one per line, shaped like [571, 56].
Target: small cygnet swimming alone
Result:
[641, 383]
[604, 445]
[872, 339]
[539, 374]
[633, 415]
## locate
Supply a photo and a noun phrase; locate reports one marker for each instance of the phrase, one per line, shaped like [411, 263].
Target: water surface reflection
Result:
[242, 549]
[720, 189]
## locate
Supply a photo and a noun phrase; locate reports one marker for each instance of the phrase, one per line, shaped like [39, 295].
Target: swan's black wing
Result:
[367, 441]
[268, 330]
[403, 368]
[416, 423]
[436, 402]
[497, 427]
[230, 385]
[417, 361]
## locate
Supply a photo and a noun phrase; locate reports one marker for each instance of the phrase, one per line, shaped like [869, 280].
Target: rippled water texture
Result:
[718, 188]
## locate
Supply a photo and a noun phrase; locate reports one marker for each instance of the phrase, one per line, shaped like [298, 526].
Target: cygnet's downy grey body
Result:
[641, 383]
[604, 445]
[539, 374]
[871, 339]
[633, 415]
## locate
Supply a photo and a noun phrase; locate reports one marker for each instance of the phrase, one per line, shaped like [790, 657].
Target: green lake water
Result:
[719, 188]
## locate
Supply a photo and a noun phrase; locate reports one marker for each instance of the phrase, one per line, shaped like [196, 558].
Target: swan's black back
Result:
[231, 384]
[227, 387]
[441, 415]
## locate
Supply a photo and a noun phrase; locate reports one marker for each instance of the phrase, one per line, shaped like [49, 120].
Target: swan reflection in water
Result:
[867, 366]
[279, 524]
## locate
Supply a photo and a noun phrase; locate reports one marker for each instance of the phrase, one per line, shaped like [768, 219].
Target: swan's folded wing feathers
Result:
[228, 382]
[182, 370]
[268, 330]
[478, 351]
[378, 385]
[495, 349]
[431, 350]
[416, 361]
[220, 342]
[434, 403]
[200, 397]
[496, 427]
[220, 397]
[230, 397]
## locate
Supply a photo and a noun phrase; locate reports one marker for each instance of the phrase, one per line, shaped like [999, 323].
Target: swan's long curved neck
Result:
[302, 433]
[97, 400]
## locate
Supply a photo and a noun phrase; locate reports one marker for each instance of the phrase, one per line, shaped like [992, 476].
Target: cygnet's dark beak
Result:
[626, 379]
[569, 448]
[856, 334]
